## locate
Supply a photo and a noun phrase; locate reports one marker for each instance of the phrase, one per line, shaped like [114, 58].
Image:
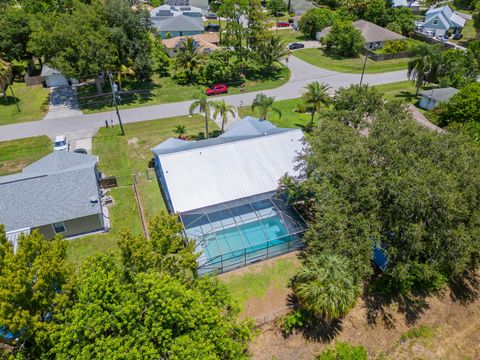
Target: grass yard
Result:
[122, 157]
[290, 36]
[165, 90]
[263, 287]
[16, 154]
[318, 57]
[289, 118]
[32, 100]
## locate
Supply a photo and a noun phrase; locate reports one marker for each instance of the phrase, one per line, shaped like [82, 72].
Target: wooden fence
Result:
[382, 57]
[33, 80]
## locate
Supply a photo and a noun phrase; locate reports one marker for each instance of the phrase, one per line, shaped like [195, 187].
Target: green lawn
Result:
[318, 57]
[165, 90]
[289, 118]
[256, 280]
[123, 156]
[290, 36]
[32, 100]
[16, 154]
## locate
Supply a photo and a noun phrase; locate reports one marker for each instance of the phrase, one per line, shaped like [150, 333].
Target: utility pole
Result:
[364, 64]
[114, 94]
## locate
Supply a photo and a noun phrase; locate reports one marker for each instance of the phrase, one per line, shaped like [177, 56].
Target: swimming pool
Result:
[251, 236]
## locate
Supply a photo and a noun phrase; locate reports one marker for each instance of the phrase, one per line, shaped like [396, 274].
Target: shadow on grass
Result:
[9, 100]
[466, 289]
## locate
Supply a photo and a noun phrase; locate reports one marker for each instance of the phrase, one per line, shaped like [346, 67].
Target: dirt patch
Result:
[133, 142]
[455, 324]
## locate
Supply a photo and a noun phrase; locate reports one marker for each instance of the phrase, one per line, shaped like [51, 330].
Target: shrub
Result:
[294, 320]
[181, 77]
[343, 351]
[395, 46]
[419, 332]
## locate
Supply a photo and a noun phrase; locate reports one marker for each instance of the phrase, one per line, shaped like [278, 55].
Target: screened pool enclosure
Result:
[243, 231]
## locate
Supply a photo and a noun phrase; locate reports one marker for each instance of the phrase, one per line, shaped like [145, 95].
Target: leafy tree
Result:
[344, 40]
[457, 68]
[5, 77]
[375, 11]
[463, 107]
[188, 57]
[476, 20]
[219, 66]
[395, 46]
[326, 286]
[402, 16]
[264, 104]
[270, 51]
[404, 187]
[159, 57]
[30, 280]
[425, 66]
[315, 97]
[14, 34]
[276, 7]
[393, 26]
[203, 106]
[315, 20]
[151, 316]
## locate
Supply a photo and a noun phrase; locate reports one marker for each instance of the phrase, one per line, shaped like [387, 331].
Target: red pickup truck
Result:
[217, 89]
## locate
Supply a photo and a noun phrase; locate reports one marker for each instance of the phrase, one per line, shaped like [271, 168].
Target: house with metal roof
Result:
[443, 19]
[225, 191]
[375, 36]
[414, 5]
[432, 98]
[59, 194]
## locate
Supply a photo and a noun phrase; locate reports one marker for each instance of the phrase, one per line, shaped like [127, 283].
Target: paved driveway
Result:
[62, 103]
[86, 126]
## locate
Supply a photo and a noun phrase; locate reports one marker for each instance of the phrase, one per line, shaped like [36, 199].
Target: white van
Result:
[61, 143]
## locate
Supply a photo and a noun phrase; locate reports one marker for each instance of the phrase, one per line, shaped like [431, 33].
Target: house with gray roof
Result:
[443, 19]
[375, 36]
[59, 194]
[180, 25]
[432, 98]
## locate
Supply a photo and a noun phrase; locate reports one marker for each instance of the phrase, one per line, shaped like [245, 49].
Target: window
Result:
[59, 227]
[435, 22]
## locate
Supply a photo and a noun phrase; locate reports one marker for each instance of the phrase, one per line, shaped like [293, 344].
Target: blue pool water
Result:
[252, 237]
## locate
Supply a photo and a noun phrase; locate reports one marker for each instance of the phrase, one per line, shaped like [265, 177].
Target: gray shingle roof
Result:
[370, 32]
[56, 188]
[440, 95]
[181, 23]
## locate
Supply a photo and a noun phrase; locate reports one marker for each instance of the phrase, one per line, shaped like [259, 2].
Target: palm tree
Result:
[271, 50]
[203, 106]
[222, 109]
[188, 56]
[265, 104]
[316, 96]
[325, 285]
[5, 76]
[179, 130]
[425, 66]
[124, 70]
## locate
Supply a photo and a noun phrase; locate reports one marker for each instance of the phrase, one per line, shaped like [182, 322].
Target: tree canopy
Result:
[344, 39]
[315, 20]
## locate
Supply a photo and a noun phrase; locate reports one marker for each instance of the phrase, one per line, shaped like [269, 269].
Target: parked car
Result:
[283, 24]
[443, 38]
[212, 28]
[80, 151]
[211, 16]
[61, 143]
[457, 36]
[217, 89]
[295, 46]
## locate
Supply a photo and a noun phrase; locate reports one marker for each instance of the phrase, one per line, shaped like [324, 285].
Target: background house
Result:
[442, 19]
[180, 25]
[432, 98]
[375, 36]
[206, 43]
[413, 5]
[59, 194]
[202, 4]
[53, 77]
[225, 191]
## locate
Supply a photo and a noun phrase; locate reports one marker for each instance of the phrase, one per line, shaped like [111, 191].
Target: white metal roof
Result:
[200, 177]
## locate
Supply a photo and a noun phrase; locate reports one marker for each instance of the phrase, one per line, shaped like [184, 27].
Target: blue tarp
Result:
[380, 258]
[7, 335]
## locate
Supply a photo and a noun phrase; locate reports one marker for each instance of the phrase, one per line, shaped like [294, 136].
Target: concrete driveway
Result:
[86, 126]
[62, 103]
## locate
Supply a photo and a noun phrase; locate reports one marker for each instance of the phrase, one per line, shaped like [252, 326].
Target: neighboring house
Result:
[206, 43]
[180, 25]
[299, 7]
[443, 19]
[168, 11]
[413, 5]
[432, 98]
[53, 77]
[202, 4]
[225, 191]
[375, 36]
[59, 194]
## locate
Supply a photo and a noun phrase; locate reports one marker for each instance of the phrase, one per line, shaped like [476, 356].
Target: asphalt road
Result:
[85, 126]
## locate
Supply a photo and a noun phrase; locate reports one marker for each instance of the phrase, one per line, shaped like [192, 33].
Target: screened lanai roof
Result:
[247, 160]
